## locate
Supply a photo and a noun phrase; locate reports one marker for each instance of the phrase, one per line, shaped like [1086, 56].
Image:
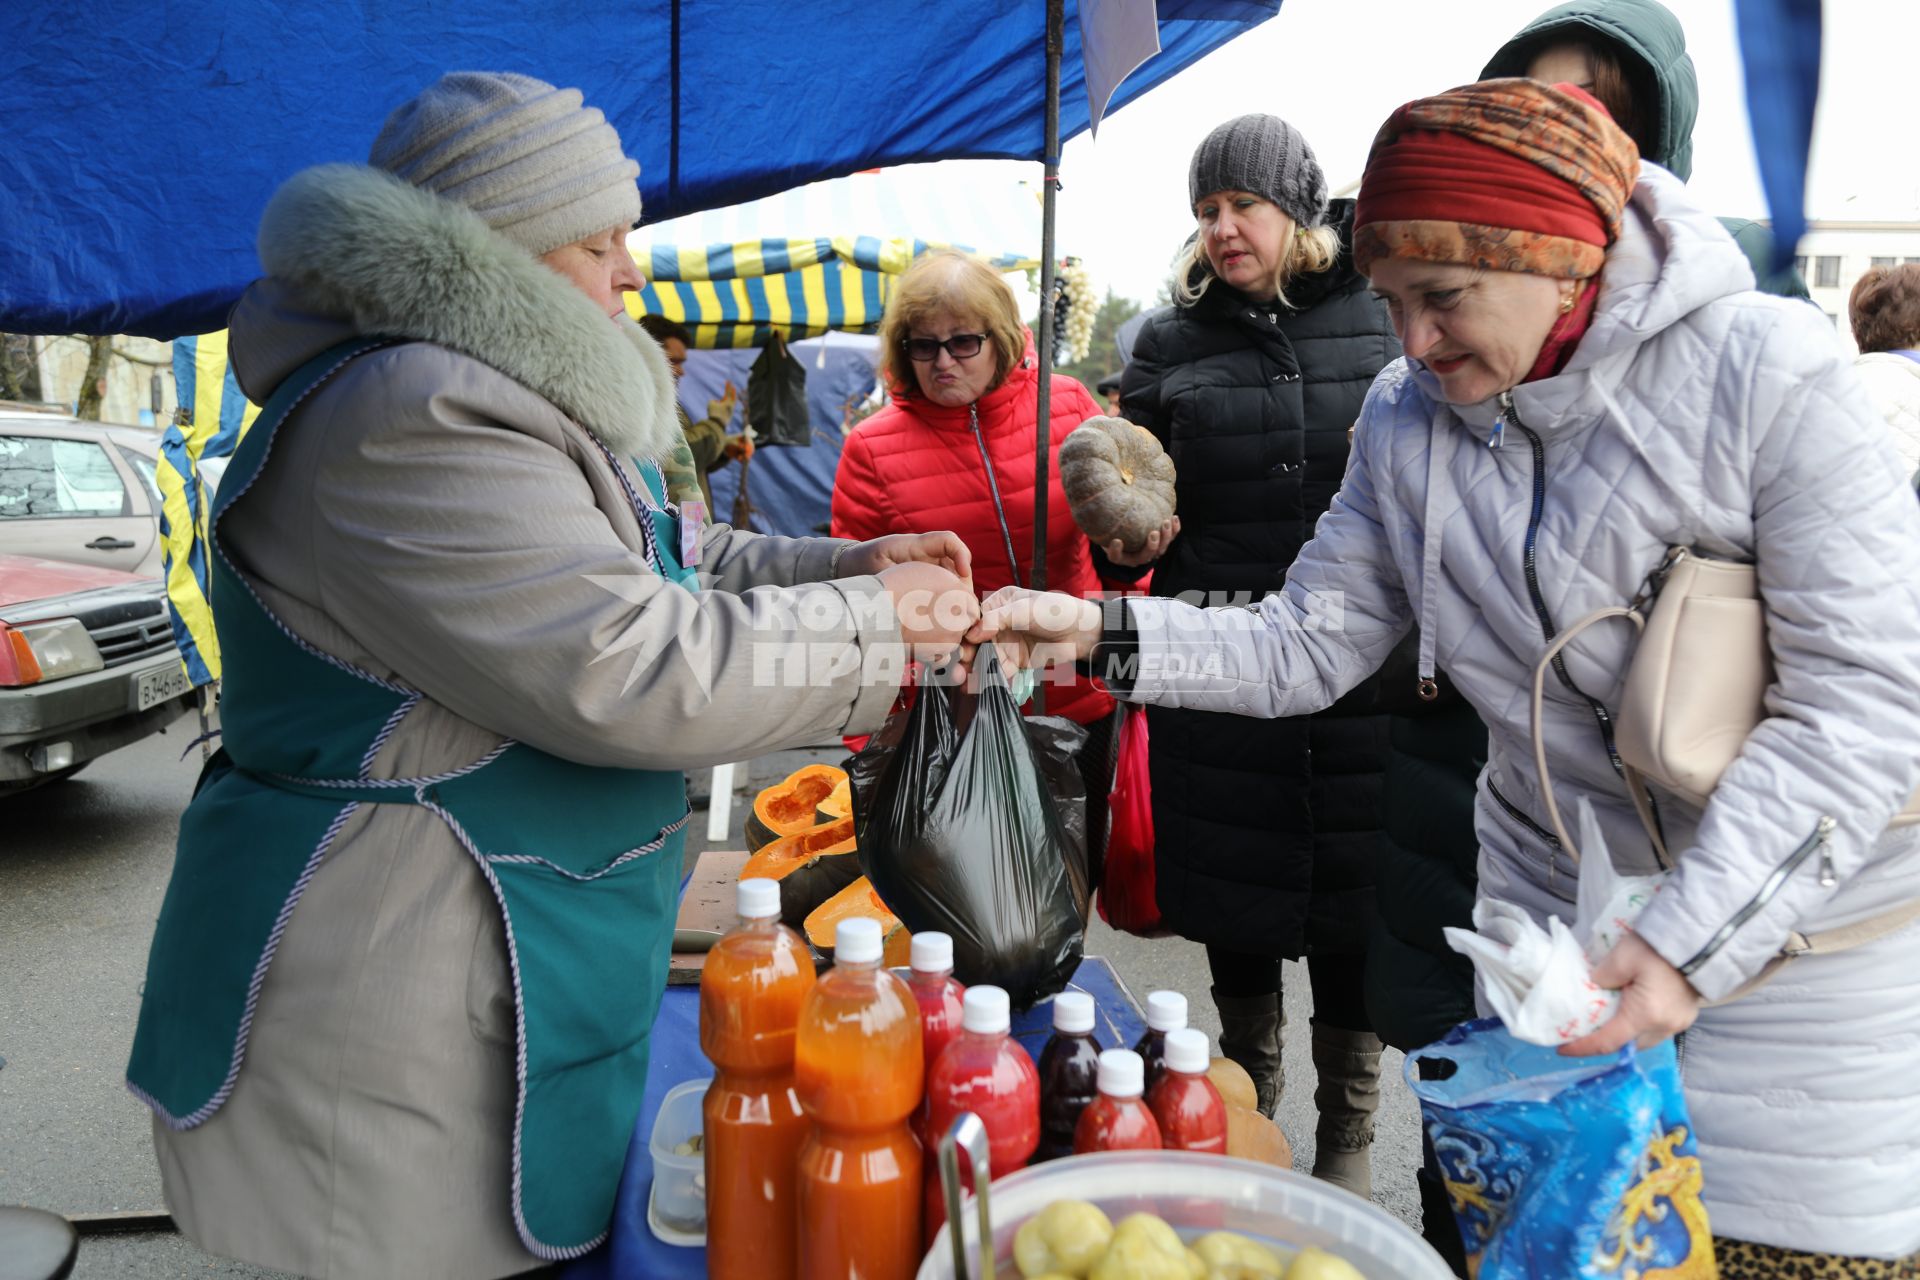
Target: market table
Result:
[632, 1252]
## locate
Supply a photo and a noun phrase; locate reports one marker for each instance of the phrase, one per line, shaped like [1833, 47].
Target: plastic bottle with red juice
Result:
[751, 989]
[1117, 1120]
[930, 974]
[985, 1071]
[1166, 1011]
[1069, 1071]
[857, 1069]
[1191, 1113]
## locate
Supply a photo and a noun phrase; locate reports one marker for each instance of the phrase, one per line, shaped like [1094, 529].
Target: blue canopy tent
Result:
[113, 229]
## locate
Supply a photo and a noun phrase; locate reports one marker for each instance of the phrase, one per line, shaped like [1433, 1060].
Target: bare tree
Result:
[93, 383]
[20, 370]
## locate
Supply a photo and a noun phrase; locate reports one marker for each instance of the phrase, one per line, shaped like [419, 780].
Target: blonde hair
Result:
[959, 284]
[1309, 249]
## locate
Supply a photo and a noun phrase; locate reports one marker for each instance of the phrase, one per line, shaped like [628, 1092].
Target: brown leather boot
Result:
[1252, 1031]
[1346, 1095]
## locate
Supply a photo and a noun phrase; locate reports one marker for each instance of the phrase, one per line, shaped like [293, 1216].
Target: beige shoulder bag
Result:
[1696, 687]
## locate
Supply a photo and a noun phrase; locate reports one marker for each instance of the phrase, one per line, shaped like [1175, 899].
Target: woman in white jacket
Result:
[1591, 379]
[1884, 310]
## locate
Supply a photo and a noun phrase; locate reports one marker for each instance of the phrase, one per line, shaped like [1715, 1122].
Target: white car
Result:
[82, 492]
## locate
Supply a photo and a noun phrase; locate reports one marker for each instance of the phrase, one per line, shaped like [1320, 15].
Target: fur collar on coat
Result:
[403, 262]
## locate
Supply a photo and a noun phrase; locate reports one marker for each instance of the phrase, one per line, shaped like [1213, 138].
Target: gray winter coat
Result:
[439, 514]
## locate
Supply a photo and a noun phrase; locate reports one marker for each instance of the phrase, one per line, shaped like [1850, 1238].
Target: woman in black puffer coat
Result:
[1267, 831]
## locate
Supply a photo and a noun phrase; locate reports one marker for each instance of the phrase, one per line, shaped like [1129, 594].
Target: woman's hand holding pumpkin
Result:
[1038, 628]
[1157, 541]
[1656, 1000]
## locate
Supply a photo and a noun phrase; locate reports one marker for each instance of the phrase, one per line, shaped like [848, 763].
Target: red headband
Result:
[1508, 175]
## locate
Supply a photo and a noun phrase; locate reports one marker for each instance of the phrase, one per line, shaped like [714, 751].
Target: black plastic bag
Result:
[777, 398]
[972, 820]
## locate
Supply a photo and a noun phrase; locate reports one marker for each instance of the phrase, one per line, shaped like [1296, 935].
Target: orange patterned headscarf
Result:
[1508, 175]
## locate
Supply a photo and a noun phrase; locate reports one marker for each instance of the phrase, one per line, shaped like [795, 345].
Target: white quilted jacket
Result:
[1695, 412]
[1893, 380]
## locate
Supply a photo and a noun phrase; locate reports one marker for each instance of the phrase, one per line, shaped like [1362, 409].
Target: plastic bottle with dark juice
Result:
[930, 974]
[1069, 1070]
[857, 1069]
[1166, 1011]
[1117, 1120]
[1190, 1111]
[751, 988]
[983, 1070]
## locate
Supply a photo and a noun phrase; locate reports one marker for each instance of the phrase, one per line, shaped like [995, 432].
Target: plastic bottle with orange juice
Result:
[858, 1071]
[751, 989]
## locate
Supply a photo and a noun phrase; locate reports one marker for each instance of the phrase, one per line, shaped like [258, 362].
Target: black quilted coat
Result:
[1267, 831]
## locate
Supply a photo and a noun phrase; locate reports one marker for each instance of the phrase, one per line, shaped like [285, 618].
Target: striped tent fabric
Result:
[213, 416]
[736, 295]
[787, 263]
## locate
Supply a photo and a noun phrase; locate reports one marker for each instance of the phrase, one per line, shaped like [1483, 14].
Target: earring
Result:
[1566, 304]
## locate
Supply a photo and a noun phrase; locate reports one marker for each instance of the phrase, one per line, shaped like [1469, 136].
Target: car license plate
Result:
[156, 687]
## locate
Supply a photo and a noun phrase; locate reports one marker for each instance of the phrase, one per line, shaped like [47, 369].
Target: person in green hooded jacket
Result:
[1632, 56]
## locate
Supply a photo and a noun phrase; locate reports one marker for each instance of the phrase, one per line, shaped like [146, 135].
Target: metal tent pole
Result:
[1043, 421]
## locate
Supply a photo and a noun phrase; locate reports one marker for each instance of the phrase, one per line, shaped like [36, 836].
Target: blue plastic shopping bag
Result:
[1574, 1168]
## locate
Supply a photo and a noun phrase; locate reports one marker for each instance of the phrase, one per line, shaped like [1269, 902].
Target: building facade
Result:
[1834, 255]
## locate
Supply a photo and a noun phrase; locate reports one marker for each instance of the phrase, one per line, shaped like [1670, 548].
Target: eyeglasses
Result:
[961, 346]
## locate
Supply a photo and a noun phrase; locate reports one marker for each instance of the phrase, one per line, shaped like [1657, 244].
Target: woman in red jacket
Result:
[956, 447]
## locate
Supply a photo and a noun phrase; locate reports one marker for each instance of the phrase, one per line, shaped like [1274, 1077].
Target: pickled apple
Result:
[1066, 1238]
[1231, 1256]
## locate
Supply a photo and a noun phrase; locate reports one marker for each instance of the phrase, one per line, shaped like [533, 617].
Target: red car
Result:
[87, 664]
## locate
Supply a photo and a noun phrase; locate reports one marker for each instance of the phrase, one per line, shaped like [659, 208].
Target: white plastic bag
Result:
[1540, 981]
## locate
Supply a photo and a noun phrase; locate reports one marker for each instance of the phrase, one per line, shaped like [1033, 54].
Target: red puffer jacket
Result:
[915, 467]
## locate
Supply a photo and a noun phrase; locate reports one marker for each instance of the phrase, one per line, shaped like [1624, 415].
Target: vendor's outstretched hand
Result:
[1656, 1001]
[937, 610]
[943, 549]
[1038, 628]
[1150, 550]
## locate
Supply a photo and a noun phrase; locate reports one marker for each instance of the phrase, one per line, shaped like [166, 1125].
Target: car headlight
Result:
[38, 651]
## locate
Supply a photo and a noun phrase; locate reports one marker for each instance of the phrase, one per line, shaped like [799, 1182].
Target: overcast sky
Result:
[1336, 68]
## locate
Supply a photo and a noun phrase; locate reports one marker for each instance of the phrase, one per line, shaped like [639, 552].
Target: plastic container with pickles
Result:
[1173, 1215]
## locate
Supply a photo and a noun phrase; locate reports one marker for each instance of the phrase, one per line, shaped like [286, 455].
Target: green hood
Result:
[1641, 30]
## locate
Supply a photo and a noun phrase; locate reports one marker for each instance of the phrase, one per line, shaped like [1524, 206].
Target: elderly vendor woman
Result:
[397, 1010]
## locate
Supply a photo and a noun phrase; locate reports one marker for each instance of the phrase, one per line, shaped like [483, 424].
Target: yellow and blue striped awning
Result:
[213, 416]
[736, 295]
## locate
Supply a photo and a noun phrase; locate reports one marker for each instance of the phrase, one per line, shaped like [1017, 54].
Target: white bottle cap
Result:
[1122, 1073]
[1073, 1012]
[931, 952]
[857, 941]
[757, 899]
[1187, 1051]
[1166, 1010]
[984, 1009]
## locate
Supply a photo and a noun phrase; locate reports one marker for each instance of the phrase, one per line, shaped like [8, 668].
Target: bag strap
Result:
[1635, 786]
[1825, 942]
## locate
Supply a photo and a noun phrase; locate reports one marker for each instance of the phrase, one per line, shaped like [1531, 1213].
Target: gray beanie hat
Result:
[542, 169]
[1266, 156]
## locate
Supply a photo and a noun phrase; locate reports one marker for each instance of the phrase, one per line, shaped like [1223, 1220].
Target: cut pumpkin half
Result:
[787, 807]
[810, 866]
[856, 900]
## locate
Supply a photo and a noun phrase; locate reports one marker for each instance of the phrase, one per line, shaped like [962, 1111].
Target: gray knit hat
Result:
[1264, 155]
[542, 169]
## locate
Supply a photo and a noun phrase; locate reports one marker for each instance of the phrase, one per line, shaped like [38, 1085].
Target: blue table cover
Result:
[633, 1253]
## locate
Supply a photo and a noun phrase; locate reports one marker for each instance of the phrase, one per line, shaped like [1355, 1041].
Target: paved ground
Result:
[83, 866]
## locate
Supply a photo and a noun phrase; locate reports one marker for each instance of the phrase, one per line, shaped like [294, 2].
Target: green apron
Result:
[583, 861]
